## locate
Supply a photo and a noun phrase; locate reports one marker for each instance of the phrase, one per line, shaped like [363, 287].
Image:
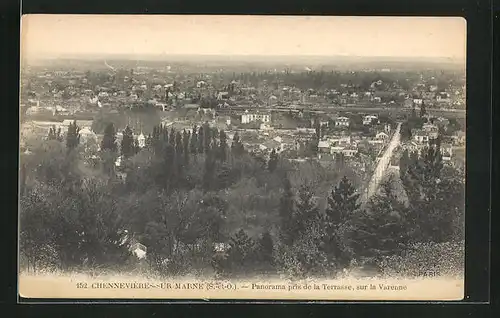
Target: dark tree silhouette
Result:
[272, 164]
[222, 146]
[55, 134]
[193, 142]
[127, 145]
[342, 203]
[237, 148]
[306, 211]
[73, 136]
[287, 212]
[109, 138]
[423, 111]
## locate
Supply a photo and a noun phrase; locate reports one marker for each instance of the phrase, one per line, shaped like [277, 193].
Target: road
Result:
[383, 163]
[454, 113]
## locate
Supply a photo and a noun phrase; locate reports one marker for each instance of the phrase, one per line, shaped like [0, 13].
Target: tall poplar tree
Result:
[186, 136]
[237, 148]
[201, 137]
[222, 145]
[109, 138]
[193, 142]
[287, 212]
[73, 136]
[127, 144]
[272, 164]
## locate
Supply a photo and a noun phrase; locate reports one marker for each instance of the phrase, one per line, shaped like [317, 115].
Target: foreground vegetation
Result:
[203, 207]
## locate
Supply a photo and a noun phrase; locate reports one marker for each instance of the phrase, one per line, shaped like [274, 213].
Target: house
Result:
[278, 139]
[141, 140]
[223, 95]
[344, 140]
[308, 131]
[342, 122]
[446, 151]
[118, 161]
[324, 146]
[270, 145]
[336, 149]
[37, 110]
[324, 123]
[382, 136]
[458, 138]
[421, 136]
[60, 110]
[443, 97]
[413, 146]
[429, 127]
[250, 117]
[350, 151]
[221, 247]
[443, 121]
[334, 139]
[431, 130]
[265, 127]
[387, 128]
[417, 101]
[369, 119]
[138, 249]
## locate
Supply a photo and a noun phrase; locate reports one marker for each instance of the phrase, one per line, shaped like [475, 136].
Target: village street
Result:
[383, 163]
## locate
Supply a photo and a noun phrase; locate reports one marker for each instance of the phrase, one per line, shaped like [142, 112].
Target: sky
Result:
[424, 37]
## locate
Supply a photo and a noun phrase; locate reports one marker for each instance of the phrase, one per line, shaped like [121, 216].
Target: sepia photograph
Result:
[242, 157]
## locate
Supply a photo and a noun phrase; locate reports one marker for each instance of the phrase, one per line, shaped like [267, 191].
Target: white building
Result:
[446, 152]
[342, 121]
[382, 136]
[324, 146]
[250, 117]
[141, 140]
[350, 151]
[369, 119]
[421, 137]
[138, 249]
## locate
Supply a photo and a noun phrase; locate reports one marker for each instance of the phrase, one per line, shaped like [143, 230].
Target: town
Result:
[301, 114]
[175, 155]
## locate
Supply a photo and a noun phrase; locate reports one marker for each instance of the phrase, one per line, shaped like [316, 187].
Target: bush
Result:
[427, 260]
[304, 258]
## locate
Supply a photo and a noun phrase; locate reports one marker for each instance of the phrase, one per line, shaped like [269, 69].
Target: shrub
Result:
[427, 259]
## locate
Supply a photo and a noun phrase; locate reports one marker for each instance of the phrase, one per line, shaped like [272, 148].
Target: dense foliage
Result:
[202, 204]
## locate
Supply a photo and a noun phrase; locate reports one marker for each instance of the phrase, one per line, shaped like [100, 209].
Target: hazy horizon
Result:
[126, 56]
[170, 36]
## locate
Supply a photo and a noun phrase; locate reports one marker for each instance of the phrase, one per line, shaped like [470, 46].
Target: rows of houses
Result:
[423, 138]
[341, 121]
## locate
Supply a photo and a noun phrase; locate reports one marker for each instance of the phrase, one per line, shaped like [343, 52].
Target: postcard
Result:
[242, 157]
